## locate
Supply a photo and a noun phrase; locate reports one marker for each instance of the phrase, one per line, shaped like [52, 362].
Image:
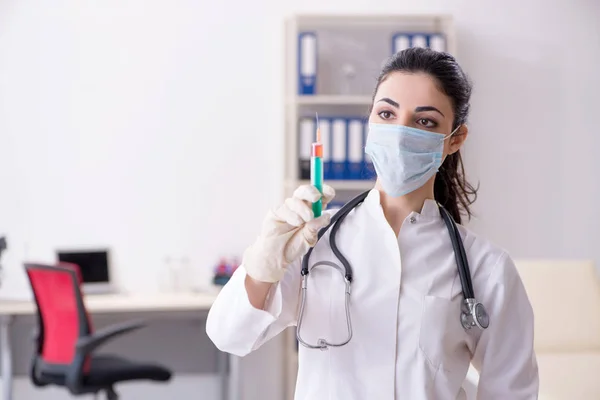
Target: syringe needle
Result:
[318, 129]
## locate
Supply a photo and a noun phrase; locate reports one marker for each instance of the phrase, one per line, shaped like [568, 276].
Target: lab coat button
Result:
[413, 219]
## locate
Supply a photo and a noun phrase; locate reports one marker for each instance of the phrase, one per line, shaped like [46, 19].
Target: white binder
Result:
[437, 42]
[307, 134]
[418, 40]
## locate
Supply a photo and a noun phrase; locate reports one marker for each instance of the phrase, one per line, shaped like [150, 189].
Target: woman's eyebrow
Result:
[389, 101]
[428, 108]
[418, 109]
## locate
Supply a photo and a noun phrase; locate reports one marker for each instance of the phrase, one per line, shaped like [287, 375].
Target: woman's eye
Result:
[385, 114]
[427, 123]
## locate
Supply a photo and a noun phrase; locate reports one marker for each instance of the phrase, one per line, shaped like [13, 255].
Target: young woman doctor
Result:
[405, 303]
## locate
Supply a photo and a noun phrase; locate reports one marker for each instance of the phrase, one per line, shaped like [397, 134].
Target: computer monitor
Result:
[94, 265]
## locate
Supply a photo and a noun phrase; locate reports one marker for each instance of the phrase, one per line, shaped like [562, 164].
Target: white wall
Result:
[155, 127]
[535, 140]
[135, 125]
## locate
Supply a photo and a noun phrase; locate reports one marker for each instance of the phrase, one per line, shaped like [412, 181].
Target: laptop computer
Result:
[94, 265]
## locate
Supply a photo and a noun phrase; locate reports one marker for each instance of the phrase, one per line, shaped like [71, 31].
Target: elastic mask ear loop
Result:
[452, 133]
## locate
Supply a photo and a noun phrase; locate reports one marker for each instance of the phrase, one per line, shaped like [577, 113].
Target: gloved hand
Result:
[287, 234]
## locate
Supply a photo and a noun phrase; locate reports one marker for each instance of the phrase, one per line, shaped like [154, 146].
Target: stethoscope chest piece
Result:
[474, 314]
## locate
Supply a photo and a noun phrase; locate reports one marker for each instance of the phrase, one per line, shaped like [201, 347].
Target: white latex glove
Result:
[287, 234]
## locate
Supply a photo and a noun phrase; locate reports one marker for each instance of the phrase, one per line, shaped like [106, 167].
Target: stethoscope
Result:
[473, 313]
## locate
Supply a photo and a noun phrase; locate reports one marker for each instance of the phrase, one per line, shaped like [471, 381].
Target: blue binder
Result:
[335, 205]
[338, 148]
[307, 63]
[355, 155]
[325, 126]
[368, 169]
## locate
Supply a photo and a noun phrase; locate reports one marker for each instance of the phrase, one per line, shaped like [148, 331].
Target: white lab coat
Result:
[407, 341]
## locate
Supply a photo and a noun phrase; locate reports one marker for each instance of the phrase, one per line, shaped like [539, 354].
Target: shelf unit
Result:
[367, 38]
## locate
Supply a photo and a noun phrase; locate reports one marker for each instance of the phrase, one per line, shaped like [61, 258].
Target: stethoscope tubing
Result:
[469, 315]
[459, 253]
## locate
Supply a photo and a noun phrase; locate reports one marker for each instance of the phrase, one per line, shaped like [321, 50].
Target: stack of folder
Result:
[308, 53]
[343, 148]
[405, 40]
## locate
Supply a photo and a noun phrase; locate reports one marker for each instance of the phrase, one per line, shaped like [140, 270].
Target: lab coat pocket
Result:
[434, 328]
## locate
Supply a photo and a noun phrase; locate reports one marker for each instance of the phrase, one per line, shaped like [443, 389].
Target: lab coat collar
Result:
[430, 208]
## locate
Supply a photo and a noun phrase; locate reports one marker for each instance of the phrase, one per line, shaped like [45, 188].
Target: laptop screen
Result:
[93, 264]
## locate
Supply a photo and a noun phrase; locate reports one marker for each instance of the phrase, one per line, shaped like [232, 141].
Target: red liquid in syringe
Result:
[317, 147]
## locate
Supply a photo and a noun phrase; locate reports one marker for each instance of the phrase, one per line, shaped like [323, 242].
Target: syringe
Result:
[316, 170]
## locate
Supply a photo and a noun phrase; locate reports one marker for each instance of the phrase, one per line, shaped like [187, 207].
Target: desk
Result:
[114, 304]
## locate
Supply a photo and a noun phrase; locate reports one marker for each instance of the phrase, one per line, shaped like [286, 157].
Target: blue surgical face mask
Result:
[404, 157]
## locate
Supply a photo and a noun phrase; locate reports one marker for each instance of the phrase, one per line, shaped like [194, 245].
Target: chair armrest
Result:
[88, 344]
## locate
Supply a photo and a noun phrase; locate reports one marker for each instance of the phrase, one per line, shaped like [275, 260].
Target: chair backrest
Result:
[61, 311]
[565, 296]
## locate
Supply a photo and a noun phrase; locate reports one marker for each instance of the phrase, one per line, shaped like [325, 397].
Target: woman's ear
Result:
[458, 139]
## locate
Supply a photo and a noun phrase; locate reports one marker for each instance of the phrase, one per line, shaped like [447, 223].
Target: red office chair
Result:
[66, 341]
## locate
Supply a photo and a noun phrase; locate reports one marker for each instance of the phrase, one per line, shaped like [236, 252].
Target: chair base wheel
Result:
[111, 394]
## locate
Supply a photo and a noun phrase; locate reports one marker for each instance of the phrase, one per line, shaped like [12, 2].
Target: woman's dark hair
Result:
[451, 188]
